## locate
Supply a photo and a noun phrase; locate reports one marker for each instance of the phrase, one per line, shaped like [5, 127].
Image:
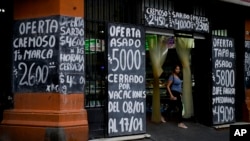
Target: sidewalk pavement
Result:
[195, 132]
[169, 131]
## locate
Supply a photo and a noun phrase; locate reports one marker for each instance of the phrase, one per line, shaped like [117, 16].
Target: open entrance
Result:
[194, 60]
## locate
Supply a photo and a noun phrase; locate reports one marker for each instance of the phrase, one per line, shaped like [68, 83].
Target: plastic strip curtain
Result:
[183, 48]
[158, 48]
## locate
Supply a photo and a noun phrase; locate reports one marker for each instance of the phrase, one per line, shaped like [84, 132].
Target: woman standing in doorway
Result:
[174, 88]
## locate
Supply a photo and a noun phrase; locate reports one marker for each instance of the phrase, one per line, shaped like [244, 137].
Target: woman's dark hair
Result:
[174, 67]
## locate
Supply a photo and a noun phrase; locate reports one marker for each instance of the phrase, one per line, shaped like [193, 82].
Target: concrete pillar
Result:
[48, 73]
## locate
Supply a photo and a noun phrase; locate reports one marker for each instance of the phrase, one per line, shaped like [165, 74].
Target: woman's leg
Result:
[179, 112]
[180, 108]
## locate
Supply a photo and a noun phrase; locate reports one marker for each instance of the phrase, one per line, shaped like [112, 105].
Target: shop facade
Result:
[123, 77]
[214, 96]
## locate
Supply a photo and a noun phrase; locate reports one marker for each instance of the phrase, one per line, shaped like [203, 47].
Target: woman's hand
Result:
[173, 97]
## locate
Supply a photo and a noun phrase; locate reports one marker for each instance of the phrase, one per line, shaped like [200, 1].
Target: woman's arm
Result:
[169, 83]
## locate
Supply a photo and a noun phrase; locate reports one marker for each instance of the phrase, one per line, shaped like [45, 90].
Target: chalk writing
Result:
[48, 54]
[224, 114]
[223, 94]
[34, 54]
[175, 20]
[71, 56]
[29, 79]
[126, 78]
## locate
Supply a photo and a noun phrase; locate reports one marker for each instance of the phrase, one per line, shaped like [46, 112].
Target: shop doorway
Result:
[155, 54]
[170, 60]
[199, 82]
